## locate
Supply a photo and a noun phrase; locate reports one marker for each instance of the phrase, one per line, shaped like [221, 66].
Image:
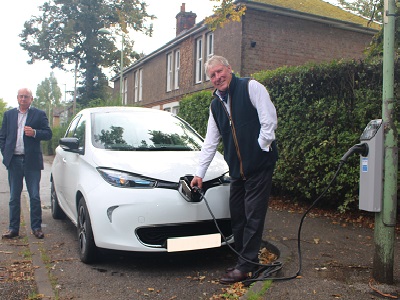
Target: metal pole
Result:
[385, 221]
[50, 116]
[76, 70]
[121, 76]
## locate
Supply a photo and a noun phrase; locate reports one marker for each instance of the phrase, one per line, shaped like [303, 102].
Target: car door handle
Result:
[64, 160]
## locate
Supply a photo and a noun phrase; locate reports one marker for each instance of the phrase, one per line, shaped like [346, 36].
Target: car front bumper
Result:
[144, 219]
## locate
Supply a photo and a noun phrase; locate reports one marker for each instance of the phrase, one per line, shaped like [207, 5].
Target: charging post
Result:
[371, 168]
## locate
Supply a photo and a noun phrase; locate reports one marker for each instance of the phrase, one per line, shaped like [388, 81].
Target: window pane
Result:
[71, 130]
[136, 87]
[177, 68]
[210, 48]
[140, 84]
[210, 45]
[169, 72]
[199, 60]
[125, 89]
[80, 134]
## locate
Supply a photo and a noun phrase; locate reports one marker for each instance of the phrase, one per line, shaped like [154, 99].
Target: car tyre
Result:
[56, 211]
[87, 246]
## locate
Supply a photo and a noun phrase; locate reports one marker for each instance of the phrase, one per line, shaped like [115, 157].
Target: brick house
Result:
[272, 33]
[61, 115]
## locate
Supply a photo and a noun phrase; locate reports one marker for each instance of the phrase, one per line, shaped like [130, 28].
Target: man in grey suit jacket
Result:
[21, 132]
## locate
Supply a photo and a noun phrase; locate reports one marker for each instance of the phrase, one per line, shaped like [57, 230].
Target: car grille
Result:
[157, 236]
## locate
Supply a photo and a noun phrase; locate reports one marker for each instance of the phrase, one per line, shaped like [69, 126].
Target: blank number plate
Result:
[194, 242]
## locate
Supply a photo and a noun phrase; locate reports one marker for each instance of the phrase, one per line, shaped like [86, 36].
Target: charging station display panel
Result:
[371, 130]
[371, 168]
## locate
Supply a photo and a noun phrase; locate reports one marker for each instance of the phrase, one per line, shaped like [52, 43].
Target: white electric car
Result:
[122, 175]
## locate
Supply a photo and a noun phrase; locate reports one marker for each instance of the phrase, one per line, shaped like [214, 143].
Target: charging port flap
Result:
[186, 191]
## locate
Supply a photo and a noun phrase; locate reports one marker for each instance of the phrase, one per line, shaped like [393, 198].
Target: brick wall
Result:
[228, 43]
[284, 40]
[155, 77]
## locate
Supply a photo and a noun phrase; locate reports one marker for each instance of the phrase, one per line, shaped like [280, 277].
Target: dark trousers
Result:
[16, 174]
[248, 206]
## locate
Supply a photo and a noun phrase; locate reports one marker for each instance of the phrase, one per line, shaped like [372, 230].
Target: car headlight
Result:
[125, 179]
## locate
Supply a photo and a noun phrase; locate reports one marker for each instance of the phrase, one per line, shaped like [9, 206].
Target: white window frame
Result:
[136, 88]
[125, 91]
[172, 107]
[141, 85]
[169, 72]
[199, 60]
[210, 47]
[210, 44]
[175, 110]
[177, 69]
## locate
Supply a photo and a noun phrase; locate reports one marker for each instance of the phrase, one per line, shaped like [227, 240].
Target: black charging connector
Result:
[190, 194]
[196, 189]
[361, 149]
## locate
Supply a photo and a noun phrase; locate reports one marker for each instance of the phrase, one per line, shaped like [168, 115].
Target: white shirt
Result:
[19, 146]
[266, 111]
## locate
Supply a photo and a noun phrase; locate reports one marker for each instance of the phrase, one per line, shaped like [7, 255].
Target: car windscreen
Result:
[142, 131]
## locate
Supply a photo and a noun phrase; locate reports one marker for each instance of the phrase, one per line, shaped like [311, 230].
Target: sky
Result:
[17, 73]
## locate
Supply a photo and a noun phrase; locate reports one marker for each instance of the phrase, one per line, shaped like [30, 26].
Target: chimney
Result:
[184, 20]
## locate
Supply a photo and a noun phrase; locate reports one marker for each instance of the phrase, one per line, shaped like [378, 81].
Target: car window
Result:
[142, 131]
[80, 133]
[77, 129]
[72, 126]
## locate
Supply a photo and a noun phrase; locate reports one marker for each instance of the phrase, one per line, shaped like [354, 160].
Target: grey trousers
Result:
[248, 206]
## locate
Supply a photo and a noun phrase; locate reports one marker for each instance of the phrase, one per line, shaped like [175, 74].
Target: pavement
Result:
[20, 255]
[336, 256]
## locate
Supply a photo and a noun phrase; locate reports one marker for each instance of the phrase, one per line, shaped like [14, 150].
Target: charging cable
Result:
[267, 270]
[272, 267]
[361, 149]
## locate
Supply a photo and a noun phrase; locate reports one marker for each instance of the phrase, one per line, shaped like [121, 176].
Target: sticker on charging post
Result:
[364, 164]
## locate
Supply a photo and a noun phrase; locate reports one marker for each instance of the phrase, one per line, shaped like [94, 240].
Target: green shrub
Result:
[194, 109]
[50, 146]
[322, 111]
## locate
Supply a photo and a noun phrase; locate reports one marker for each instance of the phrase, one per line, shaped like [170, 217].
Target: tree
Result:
[371, 9]
[67, 33]
[3, 108]
[48, 95]
[226, 12]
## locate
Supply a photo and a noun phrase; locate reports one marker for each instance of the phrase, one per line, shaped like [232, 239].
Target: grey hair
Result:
[215, 60]
[28, 90]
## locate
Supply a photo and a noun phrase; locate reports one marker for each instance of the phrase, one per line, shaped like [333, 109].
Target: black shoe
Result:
[10, 234]
[38, 233]
[233, 276]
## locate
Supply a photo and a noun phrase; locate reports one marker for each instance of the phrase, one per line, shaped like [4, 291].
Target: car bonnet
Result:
[161, 165]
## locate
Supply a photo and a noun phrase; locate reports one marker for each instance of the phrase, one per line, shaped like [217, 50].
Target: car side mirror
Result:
[70, 144]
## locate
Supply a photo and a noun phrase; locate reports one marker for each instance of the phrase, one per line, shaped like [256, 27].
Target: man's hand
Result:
[197, 181]
[29, 131]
